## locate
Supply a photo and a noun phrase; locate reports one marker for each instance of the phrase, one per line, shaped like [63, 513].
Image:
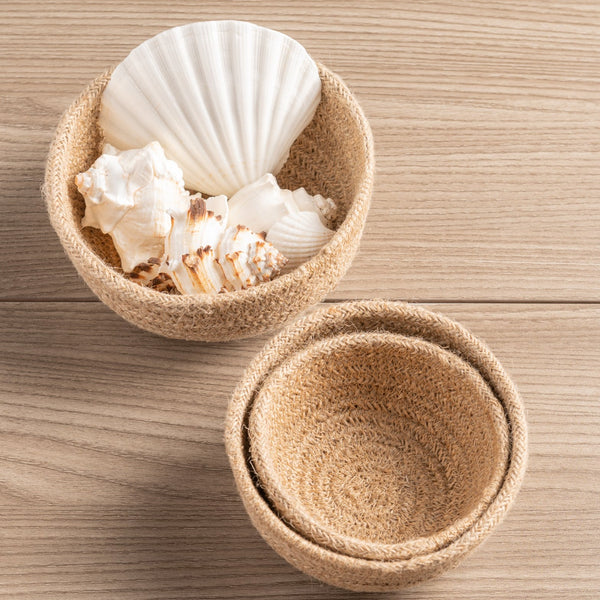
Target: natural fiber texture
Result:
[393, 439]
[378, 445]
[332, 157]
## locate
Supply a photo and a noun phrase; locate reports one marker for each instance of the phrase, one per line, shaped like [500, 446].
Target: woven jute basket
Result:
[378, 445]
[375, 444]
[332, 157]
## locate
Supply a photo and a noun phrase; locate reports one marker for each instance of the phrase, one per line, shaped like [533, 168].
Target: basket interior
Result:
[377, 437]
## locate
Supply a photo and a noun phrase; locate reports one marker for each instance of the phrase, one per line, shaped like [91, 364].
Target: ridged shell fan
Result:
[225, 99]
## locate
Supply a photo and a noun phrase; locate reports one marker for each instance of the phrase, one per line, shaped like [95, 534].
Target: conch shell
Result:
[217, 259]
[130, 195]
[260, 204]
[295, 222]
[247, 259]
[324, 207]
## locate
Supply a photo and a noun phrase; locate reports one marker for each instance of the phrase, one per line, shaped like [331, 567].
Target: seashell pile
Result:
[214, 108]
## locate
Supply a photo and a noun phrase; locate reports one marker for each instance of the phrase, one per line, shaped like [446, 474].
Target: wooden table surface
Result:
[486, 117]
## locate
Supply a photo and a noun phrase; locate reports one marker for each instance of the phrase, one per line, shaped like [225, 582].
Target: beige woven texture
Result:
[375, 444]
[378, 445]
[332, 157]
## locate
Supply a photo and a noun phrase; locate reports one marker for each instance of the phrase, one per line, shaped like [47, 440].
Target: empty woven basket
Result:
[332, 157]
[375, 444]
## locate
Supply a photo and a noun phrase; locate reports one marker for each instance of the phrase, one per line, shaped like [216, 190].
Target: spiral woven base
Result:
[332, 157]
[375, 444]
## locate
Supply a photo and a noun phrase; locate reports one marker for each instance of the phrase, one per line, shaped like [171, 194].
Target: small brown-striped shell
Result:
[226, 259]
[163, 283]
[190, 249]
[204, 271]
[247, 259]
[148, 274]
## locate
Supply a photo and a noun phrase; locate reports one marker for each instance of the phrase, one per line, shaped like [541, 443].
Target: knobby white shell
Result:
[130, 196]
[226, 99]
[299, 236]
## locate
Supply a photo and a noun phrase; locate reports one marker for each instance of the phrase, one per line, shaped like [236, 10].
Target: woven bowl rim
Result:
[293, 512]
[313, 275]
[364, 574]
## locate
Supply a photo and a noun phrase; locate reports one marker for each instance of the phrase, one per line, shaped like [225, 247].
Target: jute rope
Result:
[387, 443]
[332, 157]
[413, 423]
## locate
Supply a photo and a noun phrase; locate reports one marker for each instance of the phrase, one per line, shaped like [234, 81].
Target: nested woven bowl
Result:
[374, 444]
[378, 445]
[332, 157]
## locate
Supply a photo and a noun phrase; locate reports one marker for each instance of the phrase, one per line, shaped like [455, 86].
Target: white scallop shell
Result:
[226, 99]
[299, 236]
[130, 196]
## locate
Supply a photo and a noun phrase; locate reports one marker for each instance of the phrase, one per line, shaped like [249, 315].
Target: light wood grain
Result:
[486, 119]
[112, 486]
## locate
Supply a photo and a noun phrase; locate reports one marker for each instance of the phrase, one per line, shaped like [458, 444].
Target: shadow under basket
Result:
[375, 444]
[333, 157]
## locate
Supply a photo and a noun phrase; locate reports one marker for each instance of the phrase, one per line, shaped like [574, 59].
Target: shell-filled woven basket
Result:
[375, 444]
[332, 157]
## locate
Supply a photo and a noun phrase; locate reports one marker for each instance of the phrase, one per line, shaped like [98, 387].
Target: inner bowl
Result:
[378, 445]
[333, 156]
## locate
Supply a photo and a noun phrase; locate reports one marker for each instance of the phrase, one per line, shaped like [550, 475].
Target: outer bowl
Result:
[375, 444]
[333, 157]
